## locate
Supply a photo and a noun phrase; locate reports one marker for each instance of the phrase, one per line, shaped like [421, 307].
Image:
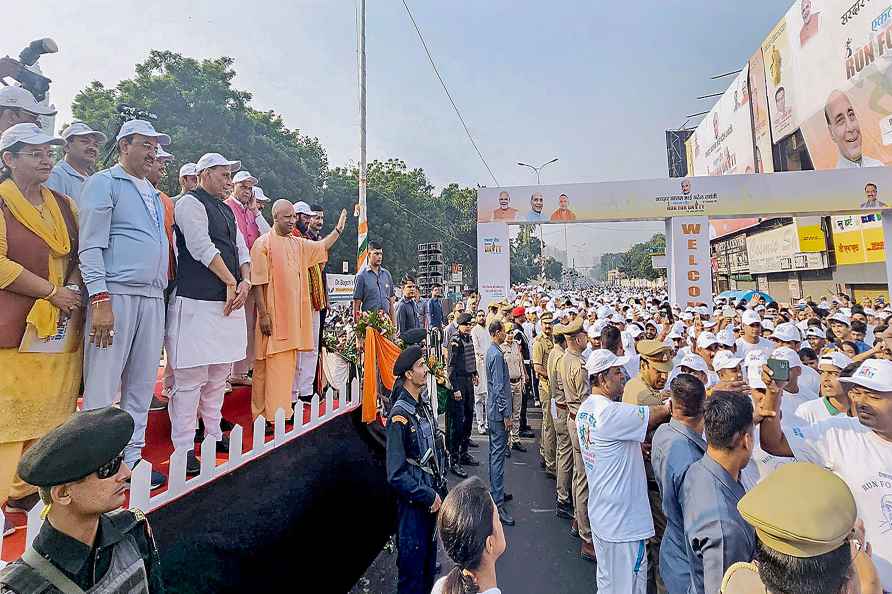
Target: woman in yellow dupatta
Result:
[38, 257]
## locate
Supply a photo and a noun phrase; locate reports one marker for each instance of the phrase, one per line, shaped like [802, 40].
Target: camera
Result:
[24, 70]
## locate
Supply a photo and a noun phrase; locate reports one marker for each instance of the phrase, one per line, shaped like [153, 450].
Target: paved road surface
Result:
[541, 556]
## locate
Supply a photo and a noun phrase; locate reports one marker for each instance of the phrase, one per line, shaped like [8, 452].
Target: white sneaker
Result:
[481, 430]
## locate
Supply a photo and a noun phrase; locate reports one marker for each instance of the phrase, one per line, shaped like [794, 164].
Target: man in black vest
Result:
[206, 330]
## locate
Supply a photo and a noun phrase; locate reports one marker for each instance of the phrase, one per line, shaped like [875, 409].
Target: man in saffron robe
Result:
[284, 323]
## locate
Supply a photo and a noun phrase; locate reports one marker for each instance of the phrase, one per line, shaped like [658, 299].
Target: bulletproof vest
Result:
[470, 361]
[126, 574]
[424, 435]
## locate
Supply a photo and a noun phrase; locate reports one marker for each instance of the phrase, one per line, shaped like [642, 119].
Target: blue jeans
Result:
[498, 446]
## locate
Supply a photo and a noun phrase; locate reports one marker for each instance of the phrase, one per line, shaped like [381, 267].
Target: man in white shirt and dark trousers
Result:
[610, 437]
[206, 332]
[124, 255]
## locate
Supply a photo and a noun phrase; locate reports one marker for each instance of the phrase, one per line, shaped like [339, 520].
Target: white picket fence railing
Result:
[178, 484]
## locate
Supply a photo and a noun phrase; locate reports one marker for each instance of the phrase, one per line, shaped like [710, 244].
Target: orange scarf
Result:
[380, 355]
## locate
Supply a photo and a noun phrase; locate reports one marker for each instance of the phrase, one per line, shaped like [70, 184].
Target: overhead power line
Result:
[448, 94]
[426, 221]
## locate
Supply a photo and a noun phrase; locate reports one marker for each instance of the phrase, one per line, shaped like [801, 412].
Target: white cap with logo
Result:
[706, 340]
[27, 134]
[841, 318]
[302, 208]
[243, 176]
[836, 359]
[259, 196]
[725, 360]
[188, 169]
[788, 355]
[602, 359]
[693, 361]
[874, 374]
[750, 317]
[209, 160]
[786, 332]
[81, 129]
[144, 128]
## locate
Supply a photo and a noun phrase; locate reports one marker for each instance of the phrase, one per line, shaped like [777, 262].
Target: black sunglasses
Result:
[110, 468]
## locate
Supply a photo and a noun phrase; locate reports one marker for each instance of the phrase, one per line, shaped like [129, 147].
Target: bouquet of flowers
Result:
[377, 321]
[437, 368]
[338, 341]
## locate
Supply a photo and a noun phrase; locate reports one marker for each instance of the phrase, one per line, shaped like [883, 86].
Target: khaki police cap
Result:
[558, 329]
[656, 354]
[800, 510]
[547, 317]
[574, 327]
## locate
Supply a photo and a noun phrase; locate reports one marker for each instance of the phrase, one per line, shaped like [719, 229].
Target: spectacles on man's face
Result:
[110, 468]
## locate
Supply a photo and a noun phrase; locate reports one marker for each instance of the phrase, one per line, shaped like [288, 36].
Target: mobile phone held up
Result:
[780, 369]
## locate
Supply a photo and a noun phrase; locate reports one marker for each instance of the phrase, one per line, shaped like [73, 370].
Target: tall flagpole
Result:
[363, 227]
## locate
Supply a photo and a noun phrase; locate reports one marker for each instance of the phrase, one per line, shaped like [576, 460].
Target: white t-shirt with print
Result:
[864, 461]
[743, 347]
[610, 436]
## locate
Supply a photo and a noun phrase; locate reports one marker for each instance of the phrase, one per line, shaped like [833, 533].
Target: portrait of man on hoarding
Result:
[780, 102]
[563, 212]
[686, 187]
[872, 193]
[504, 212]
[811, 22]
[845, 131]
[537, 203]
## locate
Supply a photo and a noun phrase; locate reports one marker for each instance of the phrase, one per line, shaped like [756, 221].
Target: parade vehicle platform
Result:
[310, 499]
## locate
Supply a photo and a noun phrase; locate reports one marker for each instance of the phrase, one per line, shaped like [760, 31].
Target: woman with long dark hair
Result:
[472, 535]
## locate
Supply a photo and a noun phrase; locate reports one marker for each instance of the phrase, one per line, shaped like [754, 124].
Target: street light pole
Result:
[541, 242]
[537, 169]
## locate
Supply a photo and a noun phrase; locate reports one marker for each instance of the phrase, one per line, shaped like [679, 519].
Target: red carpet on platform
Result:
[236, 408]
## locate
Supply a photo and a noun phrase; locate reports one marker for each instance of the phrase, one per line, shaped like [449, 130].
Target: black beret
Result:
[413, 336]
[77, 448]
[465, 318]
[406, 360]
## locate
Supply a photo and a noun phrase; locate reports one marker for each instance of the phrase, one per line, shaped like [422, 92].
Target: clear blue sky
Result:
[594, 83]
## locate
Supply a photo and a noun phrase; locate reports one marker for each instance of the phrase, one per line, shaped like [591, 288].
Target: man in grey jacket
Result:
[123, 256]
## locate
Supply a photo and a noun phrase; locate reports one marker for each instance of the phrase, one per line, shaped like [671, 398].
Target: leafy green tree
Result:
[198, 107]
[553, 269]
[636, 262]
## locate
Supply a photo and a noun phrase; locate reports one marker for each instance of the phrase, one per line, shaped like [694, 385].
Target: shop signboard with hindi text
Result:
[858, 238]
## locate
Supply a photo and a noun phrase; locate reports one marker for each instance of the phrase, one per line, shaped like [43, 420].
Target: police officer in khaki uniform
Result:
[804, 517]
[576, 389]
[645, 389]
[84, 545]
[563, 446]
[542, 346]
